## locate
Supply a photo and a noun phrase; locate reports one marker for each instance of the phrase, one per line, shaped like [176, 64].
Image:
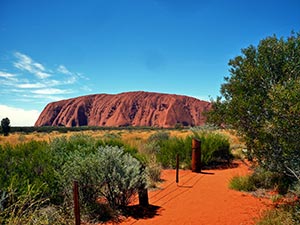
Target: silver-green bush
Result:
[109, 173]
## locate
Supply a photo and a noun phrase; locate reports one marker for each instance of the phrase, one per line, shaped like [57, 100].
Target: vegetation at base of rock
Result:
[63, 129]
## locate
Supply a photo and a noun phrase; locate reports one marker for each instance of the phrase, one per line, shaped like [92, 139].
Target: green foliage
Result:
[261, 178]
[27, 162]
[277, 217]
[109, 172]
[159, 136]
[23, 206]
[261, 101]
[242, 183]
[87, 171]
[5, 125]
[103, 169]
[123, 175]
[286, 214]
[149, 151]
[214, 149]
[62, 129]
[170, 148]
[29, 207]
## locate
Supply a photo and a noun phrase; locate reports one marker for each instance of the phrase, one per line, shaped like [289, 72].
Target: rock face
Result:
[125, 109]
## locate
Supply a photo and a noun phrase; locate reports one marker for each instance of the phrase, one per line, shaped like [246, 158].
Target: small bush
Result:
[261, 178]
[278, 217]
[114, 142]
[242, 183]
[87, 170]
[173, 146]
[214, 148]
[123, 176]
[159, 136]
[109, 172]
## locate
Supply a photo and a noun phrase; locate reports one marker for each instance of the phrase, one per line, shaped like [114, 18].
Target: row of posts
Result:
[143, 193]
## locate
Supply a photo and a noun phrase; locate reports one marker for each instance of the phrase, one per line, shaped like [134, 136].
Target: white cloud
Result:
[72, 76]
[26, 63]
[18, 116]
[85, 88]
[41, 75]
[42, 98]
[39, 66]
[71, 80]
[6, 75]
[33, 85]
[64, 70]
[46, 84]
[50, 91]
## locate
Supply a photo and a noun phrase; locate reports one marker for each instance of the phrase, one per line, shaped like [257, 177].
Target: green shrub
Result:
[261, 178]
[159, 136]
[27, 162]
[123, 176]
[115, 142]
[278, 217]
[109, 172]
[215, 148]
[170, 148]
[242, 183]
[87, 171]
[22, 206]
[149, 151]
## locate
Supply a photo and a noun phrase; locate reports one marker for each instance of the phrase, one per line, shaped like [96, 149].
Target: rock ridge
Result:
[137, 108]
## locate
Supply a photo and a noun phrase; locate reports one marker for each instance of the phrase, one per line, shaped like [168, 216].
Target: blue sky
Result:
[57, 49]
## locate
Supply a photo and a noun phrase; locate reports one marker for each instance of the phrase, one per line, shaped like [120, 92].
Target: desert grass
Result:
[134, 138]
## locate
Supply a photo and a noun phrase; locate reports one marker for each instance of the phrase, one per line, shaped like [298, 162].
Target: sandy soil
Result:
[200, 198]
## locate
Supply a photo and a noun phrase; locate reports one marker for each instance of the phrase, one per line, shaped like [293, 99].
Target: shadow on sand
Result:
[141, 212]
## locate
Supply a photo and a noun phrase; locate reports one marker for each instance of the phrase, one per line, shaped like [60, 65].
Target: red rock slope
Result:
[125, 109]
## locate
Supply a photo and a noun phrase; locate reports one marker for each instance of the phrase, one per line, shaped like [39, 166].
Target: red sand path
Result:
[202, 198]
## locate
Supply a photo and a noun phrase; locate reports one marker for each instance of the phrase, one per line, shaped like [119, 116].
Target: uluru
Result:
[125, 109]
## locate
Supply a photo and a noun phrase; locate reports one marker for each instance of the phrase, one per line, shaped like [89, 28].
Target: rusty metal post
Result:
[143, 192]
[143, 196]
[196, 155]
[177, 168]
[76, 203]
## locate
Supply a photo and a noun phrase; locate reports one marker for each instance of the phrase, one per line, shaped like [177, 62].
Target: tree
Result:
[5, 125]
[260, 100]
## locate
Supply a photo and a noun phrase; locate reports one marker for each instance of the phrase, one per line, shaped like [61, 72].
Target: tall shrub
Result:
[260, 99]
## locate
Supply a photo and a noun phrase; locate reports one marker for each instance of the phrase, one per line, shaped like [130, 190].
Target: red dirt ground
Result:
[200, 198]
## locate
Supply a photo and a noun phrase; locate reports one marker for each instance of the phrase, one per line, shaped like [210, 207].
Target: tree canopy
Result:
[260, 99]
[5, 125]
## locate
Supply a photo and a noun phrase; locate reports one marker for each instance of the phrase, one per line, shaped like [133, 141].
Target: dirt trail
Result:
[200, 198]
